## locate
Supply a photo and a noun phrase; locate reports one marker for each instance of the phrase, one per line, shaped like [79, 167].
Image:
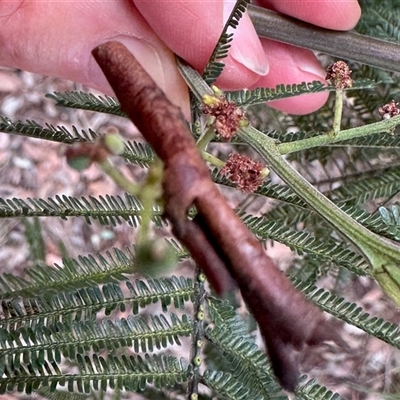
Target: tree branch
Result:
[216, 238]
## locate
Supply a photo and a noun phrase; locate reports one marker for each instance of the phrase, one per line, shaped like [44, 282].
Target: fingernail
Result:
[144, 53]
[246, 47]
[312, 67]
[160, 66]
[147, 56]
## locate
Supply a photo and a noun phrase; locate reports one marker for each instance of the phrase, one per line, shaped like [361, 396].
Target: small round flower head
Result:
[228, 116]
[338, 74]
[389, 110]
[244, 172]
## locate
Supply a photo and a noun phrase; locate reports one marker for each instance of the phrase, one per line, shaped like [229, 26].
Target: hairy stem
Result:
[197, 334]
[382, 254]
[386, 125]
[337, 117]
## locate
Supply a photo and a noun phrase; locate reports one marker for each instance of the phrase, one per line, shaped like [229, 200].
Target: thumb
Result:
[192, 28]
[56, 39]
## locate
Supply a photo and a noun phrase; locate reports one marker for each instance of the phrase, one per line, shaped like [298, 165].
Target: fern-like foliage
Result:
[247, 98]
[248, 364]
[69, 340]
[304, 243]
[380, 21]
[227, 385]
[134, 152]
[352, 314]
[381, 140]
[97, 372]
[73, 274]
[107, 210]
[83, 304]
[49, 132]
[87, 101]
[384, 184]
[90, 325]
[138, 153]
[38, 333]
[85, 271]
[311, 390]
[214, 67]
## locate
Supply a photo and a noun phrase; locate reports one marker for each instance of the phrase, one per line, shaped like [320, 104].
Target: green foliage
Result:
[391, 219]
[35, 240]
[70, 340]
[352, 314]
[92, 325]
[49, 132]
[247, 98]
[87, 101]
[214, 67]
[380, 20]
[247, 363]
[311, 390]
[97, 372]
[107, 210]
[304, 243]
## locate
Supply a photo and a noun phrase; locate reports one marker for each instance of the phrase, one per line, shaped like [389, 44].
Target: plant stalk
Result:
[343, 45]
[386, 125]
[217, 239]
[382, 254]
[205, 139]
[119, 178]
[337, 116]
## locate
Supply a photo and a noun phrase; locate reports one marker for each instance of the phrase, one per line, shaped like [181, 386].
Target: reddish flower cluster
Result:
[244, 172]
[389, 110]
[338, 74]
[227, 117]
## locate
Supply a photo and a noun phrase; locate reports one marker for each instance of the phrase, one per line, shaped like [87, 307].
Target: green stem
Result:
[337, 118]
[375, 247]
[200, 88]
[119, 178]
[197, 335]
[205, 139]
[386, 125]
[149, 194]
[383, 255]
[212, 160]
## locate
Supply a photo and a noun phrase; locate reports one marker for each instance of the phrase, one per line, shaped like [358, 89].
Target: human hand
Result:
[56, 38]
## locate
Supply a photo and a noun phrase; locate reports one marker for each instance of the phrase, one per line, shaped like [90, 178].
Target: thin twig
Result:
[347, 45]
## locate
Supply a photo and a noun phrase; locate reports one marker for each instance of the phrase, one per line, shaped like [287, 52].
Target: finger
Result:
[289, 64]
[293, 65]
[192, 28]
[331, 14]
[56, 38]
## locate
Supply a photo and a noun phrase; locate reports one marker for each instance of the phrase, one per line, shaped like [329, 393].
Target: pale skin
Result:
[56, 38]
